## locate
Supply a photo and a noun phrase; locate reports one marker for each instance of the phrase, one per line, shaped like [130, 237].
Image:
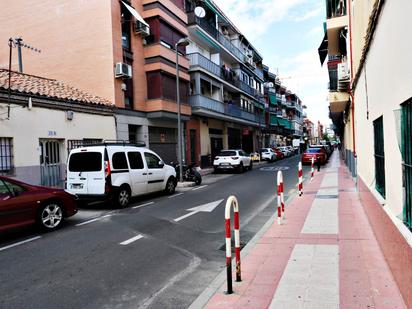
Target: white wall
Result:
[389, 79]
[26, 127]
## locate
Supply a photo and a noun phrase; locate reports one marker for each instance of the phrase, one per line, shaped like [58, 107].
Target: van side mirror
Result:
[161, 164]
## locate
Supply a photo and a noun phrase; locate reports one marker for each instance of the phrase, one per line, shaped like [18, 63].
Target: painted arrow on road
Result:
[209, 207]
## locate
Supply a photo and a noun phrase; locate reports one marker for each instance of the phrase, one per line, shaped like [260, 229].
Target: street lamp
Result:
[181, 42]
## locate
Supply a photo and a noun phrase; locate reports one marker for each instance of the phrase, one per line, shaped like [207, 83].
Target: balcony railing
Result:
[228, 75]
[216, 34]
[220, 107]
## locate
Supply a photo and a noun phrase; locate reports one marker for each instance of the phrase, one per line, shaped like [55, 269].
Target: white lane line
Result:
[185, 216]
[92, 220]
[19, 243]
[198, 188]
[147, 204]
[129, 241]
[175, 195]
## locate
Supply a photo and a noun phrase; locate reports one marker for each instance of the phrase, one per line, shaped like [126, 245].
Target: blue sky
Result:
[287, 33]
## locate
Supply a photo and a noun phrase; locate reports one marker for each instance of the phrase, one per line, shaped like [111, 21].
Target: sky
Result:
[287, 33]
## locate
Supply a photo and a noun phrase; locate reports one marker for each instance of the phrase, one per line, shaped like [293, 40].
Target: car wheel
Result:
[241, 168]
[215, 170]
[170, 186]
[198, 180]
[122, 197]
[50, 216]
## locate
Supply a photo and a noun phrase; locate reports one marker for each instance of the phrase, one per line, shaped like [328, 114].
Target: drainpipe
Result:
[351, 92]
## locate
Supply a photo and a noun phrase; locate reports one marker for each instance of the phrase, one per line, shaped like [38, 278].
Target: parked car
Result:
[255, 156]
[279, 153]
[23, 204]
[285, 151]
[291, 150]
[112, 171]
[324, 147]
[232, 160]
[316, 153]
[268, 154]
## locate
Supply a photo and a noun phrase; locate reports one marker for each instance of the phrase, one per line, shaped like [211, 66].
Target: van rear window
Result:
[85, 162]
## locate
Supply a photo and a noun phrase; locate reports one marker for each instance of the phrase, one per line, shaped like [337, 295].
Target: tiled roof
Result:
[50, 88]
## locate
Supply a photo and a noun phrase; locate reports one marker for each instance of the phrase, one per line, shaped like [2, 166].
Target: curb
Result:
[220, 279]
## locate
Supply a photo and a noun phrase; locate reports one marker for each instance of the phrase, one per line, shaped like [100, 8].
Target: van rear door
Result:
[85, 172]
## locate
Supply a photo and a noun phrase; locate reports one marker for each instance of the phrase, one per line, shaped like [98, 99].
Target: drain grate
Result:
[242, 245]
[326, 196]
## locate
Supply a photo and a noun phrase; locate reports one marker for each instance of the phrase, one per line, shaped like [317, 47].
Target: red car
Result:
[279, 154]
[23, 204]
[316, 153]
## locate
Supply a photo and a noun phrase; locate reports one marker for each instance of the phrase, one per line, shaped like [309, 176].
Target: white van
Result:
[117, 171]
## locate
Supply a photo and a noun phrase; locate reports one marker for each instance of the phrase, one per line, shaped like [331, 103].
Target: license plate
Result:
[224, 163]
[77, 186]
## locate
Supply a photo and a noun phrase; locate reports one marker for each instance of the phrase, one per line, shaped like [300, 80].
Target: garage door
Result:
[163, 141]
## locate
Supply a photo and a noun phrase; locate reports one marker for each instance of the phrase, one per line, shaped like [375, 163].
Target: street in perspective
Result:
[205, 154]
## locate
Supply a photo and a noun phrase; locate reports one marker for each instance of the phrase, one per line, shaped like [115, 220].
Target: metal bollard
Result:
[300, 174]
[232, 201]
[312, 169]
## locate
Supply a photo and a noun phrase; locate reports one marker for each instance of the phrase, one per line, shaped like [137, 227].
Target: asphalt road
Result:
[138, 257]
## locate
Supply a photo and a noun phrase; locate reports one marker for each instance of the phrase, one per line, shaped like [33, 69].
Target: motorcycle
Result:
[190, 173]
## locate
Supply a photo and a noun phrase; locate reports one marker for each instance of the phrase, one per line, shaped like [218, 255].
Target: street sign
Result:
[209, 207]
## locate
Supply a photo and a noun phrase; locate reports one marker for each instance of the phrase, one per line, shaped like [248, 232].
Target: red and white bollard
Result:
[281, 202]
[300, 174]
[232, 201]
[312, 169]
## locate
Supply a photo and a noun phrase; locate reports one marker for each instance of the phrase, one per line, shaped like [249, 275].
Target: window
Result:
[6, 154]
[406, 146]
[128, 93]
[379, 156]
[165, 34]
[4, 190]
[85, 162]
[125, 20]
[152, 160]
[14, 187]
[163, 86]
[119, 161]
[135, 160]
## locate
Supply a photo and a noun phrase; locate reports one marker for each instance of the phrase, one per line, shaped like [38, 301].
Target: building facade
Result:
[125, 55]
[377, 123]
[41, 120]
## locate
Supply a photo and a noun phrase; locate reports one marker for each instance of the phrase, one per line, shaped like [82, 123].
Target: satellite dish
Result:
[200, 12]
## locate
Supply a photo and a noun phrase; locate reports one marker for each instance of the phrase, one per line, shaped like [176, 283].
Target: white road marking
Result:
[138, 206]
[310, 279]
[19, 243]
[129, 241]
[175, 195]
[93, 220]
[198, 188]
[209, 207]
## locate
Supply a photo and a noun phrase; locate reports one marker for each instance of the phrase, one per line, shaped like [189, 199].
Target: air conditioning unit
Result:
[123, 70]
[141, 28]
[343, 70]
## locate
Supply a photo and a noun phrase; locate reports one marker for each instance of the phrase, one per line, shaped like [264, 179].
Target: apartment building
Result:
[226, 87]
[285, 112]
[335, 50]
[122, 51]
[376, 124]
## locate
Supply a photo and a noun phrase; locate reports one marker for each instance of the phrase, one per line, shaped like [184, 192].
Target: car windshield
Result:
[85, 162]
[227, 153]
[313, 150]
[264, 150]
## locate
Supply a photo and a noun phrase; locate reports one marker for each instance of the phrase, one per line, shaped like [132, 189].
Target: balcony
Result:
[335, 8]
[202, 102]
[228, 75]
[217, 35]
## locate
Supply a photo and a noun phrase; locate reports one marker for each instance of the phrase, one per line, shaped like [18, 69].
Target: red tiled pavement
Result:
[365, 280]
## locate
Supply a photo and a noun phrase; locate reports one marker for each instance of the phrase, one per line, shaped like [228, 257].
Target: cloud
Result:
[254, 18]
[310, 14]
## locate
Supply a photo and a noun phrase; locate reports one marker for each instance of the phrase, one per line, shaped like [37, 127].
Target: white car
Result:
[291, 150]
[232, 160]
[267, 154]
[285, 151]
[117, 171]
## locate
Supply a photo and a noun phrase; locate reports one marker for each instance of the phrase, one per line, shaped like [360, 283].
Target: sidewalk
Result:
[324, 255]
